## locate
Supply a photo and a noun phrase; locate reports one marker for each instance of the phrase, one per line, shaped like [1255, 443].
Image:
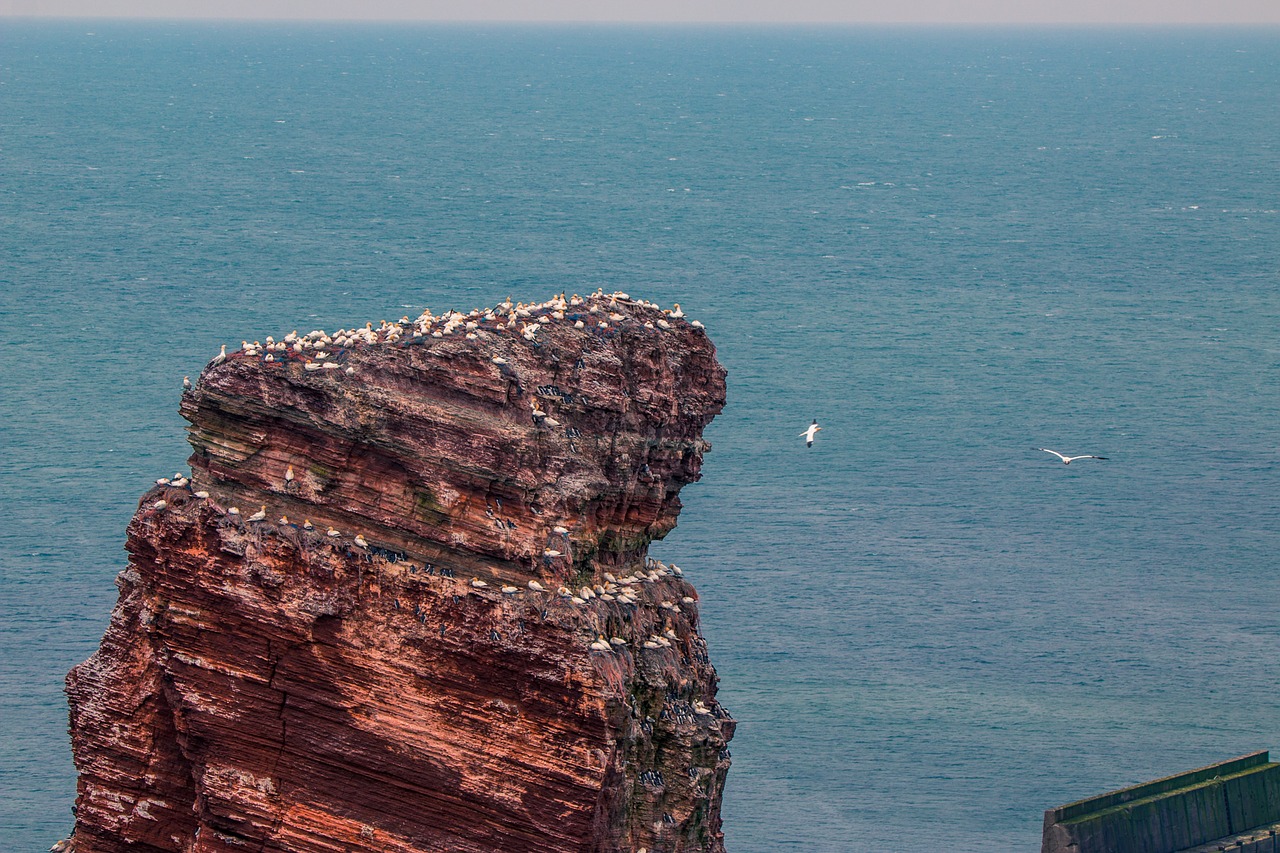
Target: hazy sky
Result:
[745, 11]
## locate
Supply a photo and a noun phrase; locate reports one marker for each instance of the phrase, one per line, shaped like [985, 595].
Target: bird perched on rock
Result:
[360, 541]
[220, 357]
[260, 515]
[808, 434]
[186, 383]
[288, 475]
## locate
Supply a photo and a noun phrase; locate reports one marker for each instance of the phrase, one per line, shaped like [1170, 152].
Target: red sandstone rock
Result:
[267, 686]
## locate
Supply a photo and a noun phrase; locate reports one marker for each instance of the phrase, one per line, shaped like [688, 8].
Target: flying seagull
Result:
[808, 434]
[1067, 460]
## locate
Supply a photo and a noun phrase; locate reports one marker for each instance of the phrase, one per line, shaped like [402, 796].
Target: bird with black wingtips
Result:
[1067, 460]
[808, 434]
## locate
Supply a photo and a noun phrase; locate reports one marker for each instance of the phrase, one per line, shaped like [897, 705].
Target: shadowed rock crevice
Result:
[405, 602]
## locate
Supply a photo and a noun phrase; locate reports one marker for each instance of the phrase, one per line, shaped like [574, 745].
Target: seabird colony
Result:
[317, 350]
[619, 596]
[615, 600]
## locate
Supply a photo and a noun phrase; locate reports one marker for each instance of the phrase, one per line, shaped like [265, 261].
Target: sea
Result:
[950, 246]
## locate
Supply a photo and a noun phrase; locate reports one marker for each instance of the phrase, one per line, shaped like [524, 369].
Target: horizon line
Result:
[843, 22]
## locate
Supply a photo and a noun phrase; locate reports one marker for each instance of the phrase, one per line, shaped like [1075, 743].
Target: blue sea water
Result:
[949, 246]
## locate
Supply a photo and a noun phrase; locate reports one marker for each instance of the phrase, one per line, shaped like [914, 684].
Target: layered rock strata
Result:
[404, 602]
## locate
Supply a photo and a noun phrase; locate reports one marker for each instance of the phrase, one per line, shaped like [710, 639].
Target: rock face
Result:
[404, 602]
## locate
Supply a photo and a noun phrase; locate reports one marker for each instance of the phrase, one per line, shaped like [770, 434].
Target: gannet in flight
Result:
[810, 433]
[1067, 460]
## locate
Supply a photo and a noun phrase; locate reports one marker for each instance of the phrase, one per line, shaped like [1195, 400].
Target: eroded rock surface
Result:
[404, 603]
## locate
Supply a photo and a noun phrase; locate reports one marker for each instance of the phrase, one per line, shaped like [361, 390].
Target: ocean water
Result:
[948, 246]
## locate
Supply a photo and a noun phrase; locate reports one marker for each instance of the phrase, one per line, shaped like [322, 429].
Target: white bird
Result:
[808, 434]
[260, 515]
[220, 357]
[161, 504]
[186, 383]
[510, 590]
[478, 584]
[360, 541]
[332, 533]
[536, 587]
[202, 494]
[1067, 460]
[288, 474]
